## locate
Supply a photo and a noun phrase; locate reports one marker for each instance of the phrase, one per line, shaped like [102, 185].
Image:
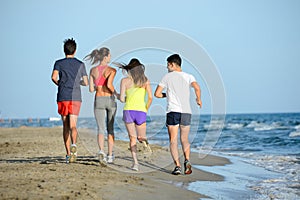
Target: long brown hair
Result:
[97, 55]
[136, 70]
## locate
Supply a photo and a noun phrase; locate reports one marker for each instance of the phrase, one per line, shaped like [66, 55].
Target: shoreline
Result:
[33, 166]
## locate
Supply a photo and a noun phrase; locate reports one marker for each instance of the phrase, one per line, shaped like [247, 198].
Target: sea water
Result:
[264, 150]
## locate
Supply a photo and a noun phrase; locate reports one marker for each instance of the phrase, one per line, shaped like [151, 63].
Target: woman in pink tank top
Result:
[101, 81]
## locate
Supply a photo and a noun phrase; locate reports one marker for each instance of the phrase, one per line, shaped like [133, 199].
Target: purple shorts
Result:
[134, 116]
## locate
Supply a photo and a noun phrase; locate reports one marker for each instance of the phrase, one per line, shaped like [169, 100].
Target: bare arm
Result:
[91, 82]
[122, 90]
[149, 92]
[197, 93]
[110, 80]
[158, 92]
[84, 81]
[54, 77]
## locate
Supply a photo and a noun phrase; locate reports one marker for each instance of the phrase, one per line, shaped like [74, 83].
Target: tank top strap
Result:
[101, 80]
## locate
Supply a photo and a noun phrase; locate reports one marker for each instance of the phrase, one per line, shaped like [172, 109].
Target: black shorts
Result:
[176, 118]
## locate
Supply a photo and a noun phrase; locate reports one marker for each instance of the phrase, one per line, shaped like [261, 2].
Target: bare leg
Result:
[141, 136]
[132, 136]
[66, 133]
[184, 137]
[173, 137]
[73, 124]
[141, 132]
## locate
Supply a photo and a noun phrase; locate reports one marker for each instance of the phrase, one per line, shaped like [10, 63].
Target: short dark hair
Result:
[69, 46]
[175, 58]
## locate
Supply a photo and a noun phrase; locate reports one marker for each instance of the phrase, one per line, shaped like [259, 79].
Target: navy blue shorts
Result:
[176, 118]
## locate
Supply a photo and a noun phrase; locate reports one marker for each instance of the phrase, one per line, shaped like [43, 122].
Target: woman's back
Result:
[135, 99]
[101, 76]
[135, 96]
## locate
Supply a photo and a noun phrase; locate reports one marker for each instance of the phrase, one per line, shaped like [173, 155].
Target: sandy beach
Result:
[32, 166]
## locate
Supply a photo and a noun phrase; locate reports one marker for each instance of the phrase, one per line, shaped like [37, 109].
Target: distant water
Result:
[269, 142]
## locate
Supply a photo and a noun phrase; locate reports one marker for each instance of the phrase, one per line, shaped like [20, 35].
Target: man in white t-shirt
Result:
[177, 85]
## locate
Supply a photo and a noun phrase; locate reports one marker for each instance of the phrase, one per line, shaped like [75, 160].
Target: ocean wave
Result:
[286, 185]
[297, 127]
[259, 126]
[214, 125]
[234, 126]
[294, 134]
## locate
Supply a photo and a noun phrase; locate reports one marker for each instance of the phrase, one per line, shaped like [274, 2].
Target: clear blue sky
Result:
[255, 45]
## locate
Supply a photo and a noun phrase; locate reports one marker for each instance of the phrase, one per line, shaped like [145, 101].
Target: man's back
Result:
[178, 91]
[71, 70]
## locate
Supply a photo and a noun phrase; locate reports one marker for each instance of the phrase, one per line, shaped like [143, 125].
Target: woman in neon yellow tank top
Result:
[134, 90]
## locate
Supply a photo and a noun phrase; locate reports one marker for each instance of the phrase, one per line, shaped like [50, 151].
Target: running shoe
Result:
[67, 159]
[110, 159]
[102, 158]
[147, 146]
[135, 167]
[177, 170]
[187, 167]
[73, 156]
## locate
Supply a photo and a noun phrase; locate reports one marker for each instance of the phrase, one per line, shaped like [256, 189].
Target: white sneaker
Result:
[102, 158]
[73, 156]
[73, 148]
[135, 167]
[147, 147]
[110, 159]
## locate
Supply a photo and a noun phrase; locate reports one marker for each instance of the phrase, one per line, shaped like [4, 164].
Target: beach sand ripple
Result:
[32, 166]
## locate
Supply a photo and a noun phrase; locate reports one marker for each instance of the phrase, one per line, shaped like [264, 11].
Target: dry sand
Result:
[32, 166]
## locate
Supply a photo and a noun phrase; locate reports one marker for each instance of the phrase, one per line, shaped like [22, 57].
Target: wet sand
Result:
[32, 166]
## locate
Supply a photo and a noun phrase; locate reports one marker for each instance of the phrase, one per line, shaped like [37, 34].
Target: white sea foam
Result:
[295, 134]
[253, 124]
[234, 126]
[286, 185]
[258, 126]
[214, 125]
[297, 127]
[239, 177]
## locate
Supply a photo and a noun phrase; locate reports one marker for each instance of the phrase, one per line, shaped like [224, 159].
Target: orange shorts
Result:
[68, 107]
